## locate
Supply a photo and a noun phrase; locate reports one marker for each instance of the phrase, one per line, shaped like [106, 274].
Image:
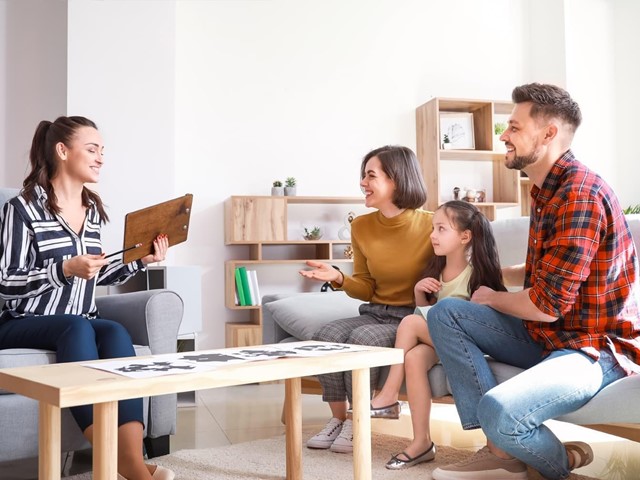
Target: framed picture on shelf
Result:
[456, 129]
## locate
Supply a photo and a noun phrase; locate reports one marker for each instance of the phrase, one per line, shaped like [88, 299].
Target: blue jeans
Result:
[512, 414]
[74, 339]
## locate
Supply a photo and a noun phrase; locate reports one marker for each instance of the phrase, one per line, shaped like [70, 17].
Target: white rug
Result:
[265, 460]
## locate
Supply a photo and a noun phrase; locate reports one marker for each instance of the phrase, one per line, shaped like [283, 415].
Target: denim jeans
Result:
[75, 338]
[512, 414]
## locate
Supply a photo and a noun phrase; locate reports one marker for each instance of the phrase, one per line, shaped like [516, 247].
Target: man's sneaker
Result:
[325, 438]
[581, 453]
[483, 465]
[344, 442]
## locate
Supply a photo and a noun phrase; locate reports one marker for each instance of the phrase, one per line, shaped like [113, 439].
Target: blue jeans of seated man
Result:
[75, 338]
[512, 414]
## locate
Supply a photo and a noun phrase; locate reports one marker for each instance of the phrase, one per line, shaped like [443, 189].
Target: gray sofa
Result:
[152, 319]
[294, 317]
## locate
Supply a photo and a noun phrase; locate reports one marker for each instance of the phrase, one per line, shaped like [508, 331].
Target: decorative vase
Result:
[290, 191]
[277, 191]
[447, 146]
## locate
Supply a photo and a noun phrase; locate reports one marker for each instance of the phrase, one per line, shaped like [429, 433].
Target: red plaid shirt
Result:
[582, 266]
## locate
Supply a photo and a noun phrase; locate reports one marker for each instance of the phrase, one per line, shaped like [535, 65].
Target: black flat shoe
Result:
[398, 464]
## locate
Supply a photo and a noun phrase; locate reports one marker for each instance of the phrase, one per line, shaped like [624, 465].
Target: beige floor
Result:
[239, 414]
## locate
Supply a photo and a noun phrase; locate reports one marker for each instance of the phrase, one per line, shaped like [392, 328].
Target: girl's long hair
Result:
[484, 258]
[44, 161]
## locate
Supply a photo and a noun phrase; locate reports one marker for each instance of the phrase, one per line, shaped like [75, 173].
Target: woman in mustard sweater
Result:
[391, 247]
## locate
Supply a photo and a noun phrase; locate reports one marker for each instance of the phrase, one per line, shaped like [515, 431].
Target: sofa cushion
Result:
[301, 315]
[511, 236]
[25, 357]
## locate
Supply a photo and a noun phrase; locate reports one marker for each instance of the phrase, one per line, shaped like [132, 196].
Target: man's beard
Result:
[519, 162]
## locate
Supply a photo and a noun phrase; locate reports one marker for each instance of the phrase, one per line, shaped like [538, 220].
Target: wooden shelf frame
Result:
[507, 187]
[260, 223]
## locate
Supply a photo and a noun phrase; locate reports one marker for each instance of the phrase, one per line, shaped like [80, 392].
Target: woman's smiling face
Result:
[82, 158]
[376, 185]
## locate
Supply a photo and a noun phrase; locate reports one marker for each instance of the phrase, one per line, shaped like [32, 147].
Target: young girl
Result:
[466, 257]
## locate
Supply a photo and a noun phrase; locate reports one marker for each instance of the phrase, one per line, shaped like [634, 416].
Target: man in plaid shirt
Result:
[575, 326]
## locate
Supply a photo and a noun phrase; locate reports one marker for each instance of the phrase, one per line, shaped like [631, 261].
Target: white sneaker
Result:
[325, 438]
[344, 442]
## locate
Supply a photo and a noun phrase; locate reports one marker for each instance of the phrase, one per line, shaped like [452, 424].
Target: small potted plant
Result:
[446, 142]
[498, 130]
[632, 210]
[277, 189]
[290, 187]
[313, 234]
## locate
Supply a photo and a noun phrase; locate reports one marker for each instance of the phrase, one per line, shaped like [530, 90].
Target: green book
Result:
[244, 279]
[242, 300]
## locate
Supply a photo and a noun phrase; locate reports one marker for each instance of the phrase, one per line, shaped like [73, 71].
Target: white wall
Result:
[626, 73]
[591, 81]
[122, 75]
[220, 98]
[267, 90]
[33, 77]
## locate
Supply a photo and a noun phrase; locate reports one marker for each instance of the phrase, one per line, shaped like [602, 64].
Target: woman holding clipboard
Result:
[51, 260]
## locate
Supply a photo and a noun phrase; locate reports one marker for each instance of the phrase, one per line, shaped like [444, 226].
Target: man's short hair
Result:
[549, 101]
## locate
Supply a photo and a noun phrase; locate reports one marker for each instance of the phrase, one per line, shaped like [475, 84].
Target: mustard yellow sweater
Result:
[389, 256]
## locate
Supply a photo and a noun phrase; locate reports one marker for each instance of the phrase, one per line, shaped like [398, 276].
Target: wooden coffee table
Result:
[64, 385]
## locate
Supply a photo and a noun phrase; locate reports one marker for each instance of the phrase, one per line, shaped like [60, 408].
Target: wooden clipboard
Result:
[143, 226]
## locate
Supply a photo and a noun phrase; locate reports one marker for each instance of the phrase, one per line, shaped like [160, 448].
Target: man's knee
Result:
[495, 416]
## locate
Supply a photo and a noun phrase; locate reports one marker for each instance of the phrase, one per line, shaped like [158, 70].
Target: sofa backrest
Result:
[7, 194]
[511, 237]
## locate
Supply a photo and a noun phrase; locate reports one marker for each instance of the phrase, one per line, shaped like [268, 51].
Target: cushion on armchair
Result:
[301, 315]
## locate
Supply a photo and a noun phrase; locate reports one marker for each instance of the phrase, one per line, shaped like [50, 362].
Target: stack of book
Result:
[247, 291]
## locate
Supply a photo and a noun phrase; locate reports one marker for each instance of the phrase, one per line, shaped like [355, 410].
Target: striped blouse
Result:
[34, 242]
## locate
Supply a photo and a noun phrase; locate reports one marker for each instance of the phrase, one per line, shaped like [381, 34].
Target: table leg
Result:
[361, 424]
[49, 432]
[105, 441]
[293, 426]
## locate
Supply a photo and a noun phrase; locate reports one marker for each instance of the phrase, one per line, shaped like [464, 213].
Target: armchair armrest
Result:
[152, 317]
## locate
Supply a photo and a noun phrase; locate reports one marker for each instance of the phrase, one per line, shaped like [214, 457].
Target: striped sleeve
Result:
[20, 277]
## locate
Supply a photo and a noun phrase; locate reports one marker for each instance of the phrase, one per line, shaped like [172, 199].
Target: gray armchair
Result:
[152, 318]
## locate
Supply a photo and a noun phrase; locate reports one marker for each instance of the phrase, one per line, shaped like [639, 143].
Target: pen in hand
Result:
[124, 250]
